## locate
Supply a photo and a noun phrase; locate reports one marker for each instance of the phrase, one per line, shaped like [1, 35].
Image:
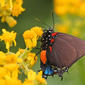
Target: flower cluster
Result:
[33, 79]
[31, 36]
[62, 7]
[9, 8]
[11, 63]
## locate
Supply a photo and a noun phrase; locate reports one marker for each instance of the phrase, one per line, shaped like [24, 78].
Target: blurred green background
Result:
[71, 24]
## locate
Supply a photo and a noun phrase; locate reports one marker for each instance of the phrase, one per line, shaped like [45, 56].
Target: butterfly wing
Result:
[65, 51]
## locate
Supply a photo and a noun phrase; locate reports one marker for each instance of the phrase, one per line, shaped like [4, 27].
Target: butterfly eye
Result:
[49, 35]
[46, 41]
[50, 30]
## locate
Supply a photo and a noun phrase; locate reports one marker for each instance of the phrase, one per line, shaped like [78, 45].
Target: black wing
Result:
[65, 51]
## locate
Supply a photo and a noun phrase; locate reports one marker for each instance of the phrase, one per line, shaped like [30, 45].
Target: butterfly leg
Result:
[66, 69]
[61, 77]
[44, 76]
[60, 73]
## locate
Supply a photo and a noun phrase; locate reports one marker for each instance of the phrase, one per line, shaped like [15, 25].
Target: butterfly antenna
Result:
[37, 19]
[53, 19]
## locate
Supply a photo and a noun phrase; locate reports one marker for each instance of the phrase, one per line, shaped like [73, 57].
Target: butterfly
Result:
[59, 51]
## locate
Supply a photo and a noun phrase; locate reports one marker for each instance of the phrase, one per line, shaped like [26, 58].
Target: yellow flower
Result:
[62, 7]
[3, 72]
[17, 9]
[9, 38]
[72, 10]
[11, 21]
[5, 9]
[12, 81]
[29, 34]
[28, 82]
[2, 82]
[40, 79]
[61, 2]
[30, 38]
[9, 8]
[11, 58]
[37, 30]
[2, 58]
[61, 10]
[31, 75]
[11, 67]
[19, 60]
[15, 73]
[19, 52]
[2, 3]
[35, 78]
[76, 2]
[31, 59]
[82, 10]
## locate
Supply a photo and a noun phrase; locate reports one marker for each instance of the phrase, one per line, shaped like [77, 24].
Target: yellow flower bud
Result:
[11, 21]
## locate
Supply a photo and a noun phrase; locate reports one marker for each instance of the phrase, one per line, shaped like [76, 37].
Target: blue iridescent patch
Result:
[48, 70]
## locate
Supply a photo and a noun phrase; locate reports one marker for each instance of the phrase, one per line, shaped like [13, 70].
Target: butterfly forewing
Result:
[65, 50]
[77, 43]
